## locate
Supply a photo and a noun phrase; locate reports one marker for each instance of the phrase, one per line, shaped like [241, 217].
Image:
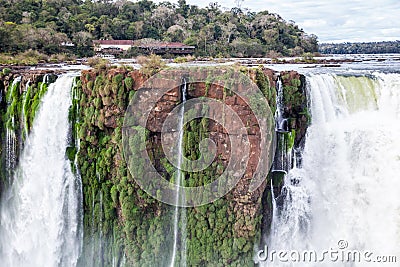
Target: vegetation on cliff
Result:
[123, 220]
[48, 26]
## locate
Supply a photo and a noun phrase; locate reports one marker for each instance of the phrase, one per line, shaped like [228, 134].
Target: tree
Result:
[229, 30]
[176, 33]
[135, 30]
[183, 8]
[239, 3]
[212, 30]
[162, 18]
[83, 43]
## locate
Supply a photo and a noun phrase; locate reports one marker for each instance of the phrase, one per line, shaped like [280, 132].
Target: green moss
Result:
[90, 85]
[293, 96]
[35, 102]
[295, 82]
[290, 137]
[264, 84]
[70, 153]
[133, 222]
[6, 71]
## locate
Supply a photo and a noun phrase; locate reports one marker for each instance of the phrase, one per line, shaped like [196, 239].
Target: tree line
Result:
[361, 48]
[43, 25]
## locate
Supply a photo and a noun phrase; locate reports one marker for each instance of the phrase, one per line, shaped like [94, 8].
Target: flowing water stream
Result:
[180, 213]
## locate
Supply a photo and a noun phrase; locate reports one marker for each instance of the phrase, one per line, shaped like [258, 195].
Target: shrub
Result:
[184, 59]
[6, 71]
[62, 57]
[98, 63]
[33, 55]
[30, 57]
[151, 64]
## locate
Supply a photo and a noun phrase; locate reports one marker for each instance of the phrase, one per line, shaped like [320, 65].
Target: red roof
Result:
[113, 42]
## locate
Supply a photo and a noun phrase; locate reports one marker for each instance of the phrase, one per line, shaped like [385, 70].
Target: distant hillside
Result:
[48, 25]
[361, 48]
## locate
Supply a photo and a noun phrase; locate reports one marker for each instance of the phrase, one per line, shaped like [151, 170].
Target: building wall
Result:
[123, 47]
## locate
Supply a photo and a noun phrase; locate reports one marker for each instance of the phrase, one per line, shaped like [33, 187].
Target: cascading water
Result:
[77, 173]
[290, 223]
[281, 122]
[287, 219]
[24, 124]
[101, 241]
[11, 139]
[10, 150]
[345, 195]
[180, 213]
[282, 160]
[40, 220]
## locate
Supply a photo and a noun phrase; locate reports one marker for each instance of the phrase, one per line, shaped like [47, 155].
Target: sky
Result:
[331, 20]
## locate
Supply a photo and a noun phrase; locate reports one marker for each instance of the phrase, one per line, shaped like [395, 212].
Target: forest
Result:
[361, 48]
[46, 26]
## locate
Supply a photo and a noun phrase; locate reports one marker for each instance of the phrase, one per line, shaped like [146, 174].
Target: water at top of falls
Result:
[347, 186]
[40, 214]
[180, 213]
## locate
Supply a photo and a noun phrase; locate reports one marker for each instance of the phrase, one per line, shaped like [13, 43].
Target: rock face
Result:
[295, 99]
[296, 112]
[27, 75]
[132, 223]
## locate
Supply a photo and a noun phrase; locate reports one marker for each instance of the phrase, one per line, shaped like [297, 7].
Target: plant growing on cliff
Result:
[98, 63]
[6, 71]
[151, 64]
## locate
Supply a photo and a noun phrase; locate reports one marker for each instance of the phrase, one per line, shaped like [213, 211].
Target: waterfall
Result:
[11, 139]
[10, 151]
[101, 241]
[283, 154]
[77, 173]
[180, 213]
[281, 122]
[40, 220]
[24, 126]
[345, 191]
[290, 210]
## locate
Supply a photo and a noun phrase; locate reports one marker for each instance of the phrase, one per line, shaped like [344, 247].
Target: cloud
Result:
[332, 21]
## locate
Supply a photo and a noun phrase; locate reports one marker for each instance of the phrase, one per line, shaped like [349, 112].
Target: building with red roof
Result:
[144, 45]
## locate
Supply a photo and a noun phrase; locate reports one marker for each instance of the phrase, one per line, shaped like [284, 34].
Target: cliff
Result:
[122, 223]
[134, 224]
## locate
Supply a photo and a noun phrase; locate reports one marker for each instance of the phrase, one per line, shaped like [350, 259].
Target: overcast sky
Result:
[331, 20]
